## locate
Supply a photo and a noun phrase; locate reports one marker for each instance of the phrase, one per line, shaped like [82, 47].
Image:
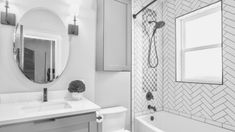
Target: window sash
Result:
[202, 47]
[181, 49]
[183, 78]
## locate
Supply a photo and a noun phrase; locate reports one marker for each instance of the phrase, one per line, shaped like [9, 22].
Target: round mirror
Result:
[41, 46]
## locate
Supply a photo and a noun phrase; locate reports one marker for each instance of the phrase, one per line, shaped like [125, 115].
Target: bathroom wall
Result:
[107, 89]
[213, 104]
[146, 79]
[81, 63]
[113, 88]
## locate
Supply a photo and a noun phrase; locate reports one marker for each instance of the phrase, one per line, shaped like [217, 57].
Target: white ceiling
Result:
[64, 6]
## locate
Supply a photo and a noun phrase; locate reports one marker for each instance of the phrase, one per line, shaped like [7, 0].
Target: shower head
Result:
[159, 24]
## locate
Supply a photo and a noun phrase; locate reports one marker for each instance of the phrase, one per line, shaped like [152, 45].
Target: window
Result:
[199, 46]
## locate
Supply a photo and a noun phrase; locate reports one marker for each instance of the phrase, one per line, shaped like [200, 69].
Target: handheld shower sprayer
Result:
[152, 39]
[157, 25]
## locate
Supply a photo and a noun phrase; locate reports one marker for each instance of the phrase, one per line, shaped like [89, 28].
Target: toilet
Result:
[113, 119]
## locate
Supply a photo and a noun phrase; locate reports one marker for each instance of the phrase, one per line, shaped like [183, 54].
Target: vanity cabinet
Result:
[113, 49]
[77, 123]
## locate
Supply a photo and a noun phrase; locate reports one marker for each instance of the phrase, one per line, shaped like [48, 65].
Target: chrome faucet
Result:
[44, 95]
[152, 107]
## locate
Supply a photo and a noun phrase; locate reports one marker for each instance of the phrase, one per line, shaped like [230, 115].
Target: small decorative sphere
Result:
[76, 86]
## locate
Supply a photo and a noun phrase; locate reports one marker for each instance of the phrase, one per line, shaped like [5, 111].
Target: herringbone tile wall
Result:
[144, 78]
[213, 104]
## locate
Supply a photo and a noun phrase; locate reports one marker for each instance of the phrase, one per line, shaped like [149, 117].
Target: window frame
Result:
[181, 49]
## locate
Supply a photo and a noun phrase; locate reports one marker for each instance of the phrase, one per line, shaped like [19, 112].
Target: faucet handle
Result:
[44, 94]
[44, 91]
[149, 96]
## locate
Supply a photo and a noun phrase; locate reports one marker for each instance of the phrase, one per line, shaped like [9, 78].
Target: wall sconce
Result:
[8, 18]
[73, 28]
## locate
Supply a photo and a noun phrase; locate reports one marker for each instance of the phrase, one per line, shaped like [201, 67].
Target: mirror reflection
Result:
[41, 49]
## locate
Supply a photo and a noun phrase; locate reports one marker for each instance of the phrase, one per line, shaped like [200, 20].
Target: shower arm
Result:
[135, 15]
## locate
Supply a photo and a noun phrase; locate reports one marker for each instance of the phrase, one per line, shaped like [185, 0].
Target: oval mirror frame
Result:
[41, 49]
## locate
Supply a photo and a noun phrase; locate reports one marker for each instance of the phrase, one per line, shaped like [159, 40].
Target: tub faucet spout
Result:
[152, 107]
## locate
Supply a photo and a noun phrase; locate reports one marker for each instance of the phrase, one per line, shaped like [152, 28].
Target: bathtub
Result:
[167, 122]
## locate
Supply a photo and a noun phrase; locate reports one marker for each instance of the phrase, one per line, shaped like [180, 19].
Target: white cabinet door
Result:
[66, 124]
[23, 127]
[116, 39]
[79, 123]
[114, 34]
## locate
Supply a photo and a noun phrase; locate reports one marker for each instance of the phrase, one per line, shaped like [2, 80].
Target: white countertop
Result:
[11, 113]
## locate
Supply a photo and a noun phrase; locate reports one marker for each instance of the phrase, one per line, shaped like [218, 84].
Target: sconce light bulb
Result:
[7, 4]
[8, 18]
[75, 19]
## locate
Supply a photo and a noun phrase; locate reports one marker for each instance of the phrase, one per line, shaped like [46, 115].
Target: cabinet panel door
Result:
[80, 123]
[24, 127]
[73, 128]
[117, 34]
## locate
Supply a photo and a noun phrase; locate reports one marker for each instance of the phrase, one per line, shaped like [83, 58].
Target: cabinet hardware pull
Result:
[99, 117]
[44, 121]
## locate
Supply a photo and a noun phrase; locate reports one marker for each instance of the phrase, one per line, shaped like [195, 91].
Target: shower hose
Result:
[152, 44]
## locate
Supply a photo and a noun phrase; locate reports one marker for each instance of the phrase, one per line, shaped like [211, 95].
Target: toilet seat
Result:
[113, 119]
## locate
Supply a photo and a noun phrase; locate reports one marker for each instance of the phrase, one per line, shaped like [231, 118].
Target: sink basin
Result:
[48, 106]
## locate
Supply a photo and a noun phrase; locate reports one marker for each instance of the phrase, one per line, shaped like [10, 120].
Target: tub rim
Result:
[145, 123]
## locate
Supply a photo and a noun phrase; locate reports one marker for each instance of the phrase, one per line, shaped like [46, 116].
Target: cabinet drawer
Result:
[83, 127]
[83, 120]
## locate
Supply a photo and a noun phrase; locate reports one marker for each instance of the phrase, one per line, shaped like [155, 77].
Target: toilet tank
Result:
[114, 119]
